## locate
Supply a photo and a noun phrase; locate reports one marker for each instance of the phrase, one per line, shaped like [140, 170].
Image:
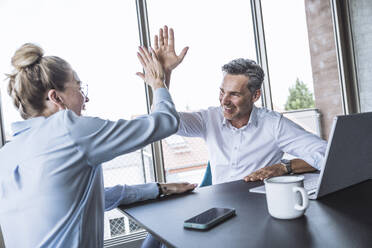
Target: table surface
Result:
[340, 219]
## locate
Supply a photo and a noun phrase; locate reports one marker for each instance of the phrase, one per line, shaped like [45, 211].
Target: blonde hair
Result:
[33, 76]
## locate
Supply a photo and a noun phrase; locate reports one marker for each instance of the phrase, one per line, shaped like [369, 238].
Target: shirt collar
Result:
[21, 126]
[252, 118]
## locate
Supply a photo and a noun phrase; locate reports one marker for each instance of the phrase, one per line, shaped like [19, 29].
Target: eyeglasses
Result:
[84, 89]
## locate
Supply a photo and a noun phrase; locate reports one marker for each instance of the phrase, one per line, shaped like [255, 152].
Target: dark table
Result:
[340, 219]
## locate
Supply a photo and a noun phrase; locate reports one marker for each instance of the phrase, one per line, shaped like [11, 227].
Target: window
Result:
[288, 55]
[100, 41]
[216, 32]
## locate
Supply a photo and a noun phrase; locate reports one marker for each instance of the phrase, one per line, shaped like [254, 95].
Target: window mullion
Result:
[259, 35]
[145, 40]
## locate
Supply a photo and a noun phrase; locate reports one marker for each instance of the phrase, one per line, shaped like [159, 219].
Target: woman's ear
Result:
[55, 99]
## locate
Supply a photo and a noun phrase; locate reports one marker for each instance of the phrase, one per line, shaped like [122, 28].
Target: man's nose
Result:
[225, 99]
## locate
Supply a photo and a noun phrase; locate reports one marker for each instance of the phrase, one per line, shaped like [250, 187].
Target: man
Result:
[243, 141]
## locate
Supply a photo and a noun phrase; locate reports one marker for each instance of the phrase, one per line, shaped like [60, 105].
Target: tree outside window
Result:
[299, 97]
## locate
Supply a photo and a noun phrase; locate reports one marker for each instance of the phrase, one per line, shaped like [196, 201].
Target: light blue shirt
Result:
[51, 184]
[235, 153]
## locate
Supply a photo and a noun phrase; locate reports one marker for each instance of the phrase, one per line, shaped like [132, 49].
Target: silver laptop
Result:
[348, 159]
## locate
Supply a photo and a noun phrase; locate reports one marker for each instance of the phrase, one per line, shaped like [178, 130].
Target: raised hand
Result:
[164, 48]
[154, 73]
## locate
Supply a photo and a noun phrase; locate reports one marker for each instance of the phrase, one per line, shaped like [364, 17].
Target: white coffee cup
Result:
[284, 195]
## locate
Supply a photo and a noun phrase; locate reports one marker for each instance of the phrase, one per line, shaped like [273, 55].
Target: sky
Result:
[100, 42]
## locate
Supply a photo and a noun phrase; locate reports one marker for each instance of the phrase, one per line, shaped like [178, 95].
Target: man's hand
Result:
[164, 48]
[268, 171]
[176, 188]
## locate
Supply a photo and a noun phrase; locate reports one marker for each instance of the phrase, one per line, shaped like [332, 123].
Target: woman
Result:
[51, 185]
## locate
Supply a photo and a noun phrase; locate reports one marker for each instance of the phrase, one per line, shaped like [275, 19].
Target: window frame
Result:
[346, 61]
[261, 54]
[145, 40]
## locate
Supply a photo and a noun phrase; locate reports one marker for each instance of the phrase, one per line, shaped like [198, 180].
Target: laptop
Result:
[348, 158]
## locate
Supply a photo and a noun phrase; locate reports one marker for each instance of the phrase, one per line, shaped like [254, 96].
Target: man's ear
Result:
[256, 95]
[54, 98]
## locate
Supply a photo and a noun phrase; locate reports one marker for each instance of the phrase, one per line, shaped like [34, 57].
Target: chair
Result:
[207, 179]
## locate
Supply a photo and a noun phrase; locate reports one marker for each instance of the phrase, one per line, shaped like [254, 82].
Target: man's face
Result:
[236, 99]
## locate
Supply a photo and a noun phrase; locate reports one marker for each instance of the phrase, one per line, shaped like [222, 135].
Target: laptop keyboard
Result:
[310, 184]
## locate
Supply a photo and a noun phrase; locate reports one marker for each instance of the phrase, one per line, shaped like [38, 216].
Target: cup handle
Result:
[305, 199]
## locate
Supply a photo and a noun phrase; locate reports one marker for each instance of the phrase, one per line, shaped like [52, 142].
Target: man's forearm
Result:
[300, 166]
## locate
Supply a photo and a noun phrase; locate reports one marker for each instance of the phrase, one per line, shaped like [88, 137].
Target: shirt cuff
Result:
[162, 94]
[148, 190]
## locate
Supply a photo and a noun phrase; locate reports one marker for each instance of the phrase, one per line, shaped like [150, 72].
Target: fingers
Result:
[192, 186]
[161, 37]
[178, 188]
[251, 178]
[144, 56]
[146, 52]
[258, 176]
[183, 54]
[142, 61]
[141, 75]
[156, 42]
[153, 70]
[187, 187]
[165, 35]
[171, 38]
[153, 54]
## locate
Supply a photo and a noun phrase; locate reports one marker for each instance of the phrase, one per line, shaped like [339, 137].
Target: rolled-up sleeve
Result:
[192, 124]
[294, 140]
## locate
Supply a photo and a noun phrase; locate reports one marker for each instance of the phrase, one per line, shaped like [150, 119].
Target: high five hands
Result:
[160, 62]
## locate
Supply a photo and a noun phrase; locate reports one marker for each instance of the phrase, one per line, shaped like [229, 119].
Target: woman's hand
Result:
[176, 188]
[154, 73]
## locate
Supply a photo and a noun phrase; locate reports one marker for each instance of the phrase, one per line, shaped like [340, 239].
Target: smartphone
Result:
[209, 218]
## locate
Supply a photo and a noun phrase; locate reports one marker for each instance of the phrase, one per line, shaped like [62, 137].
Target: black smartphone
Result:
[209, 218]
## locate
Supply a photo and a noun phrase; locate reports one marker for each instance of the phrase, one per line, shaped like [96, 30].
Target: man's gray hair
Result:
[248, 68]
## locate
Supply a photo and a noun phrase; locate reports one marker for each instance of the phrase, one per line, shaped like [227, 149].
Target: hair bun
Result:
[27, 55]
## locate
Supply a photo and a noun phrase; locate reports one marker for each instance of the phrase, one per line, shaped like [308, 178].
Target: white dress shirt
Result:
[235, 153]
[51, 184]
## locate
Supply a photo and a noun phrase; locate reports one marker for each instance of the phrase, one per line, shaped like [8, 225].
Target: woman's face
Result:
[72, 97]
